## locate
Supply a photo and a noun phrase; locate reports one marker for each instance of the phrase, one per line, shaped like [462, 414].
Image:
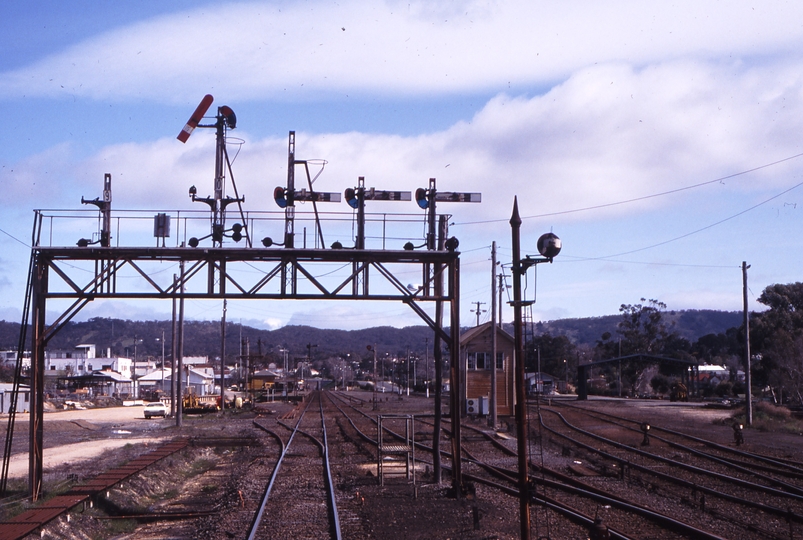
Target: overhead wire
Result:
[685, 235]
[642, 198]
[15, 238]
[709, 226]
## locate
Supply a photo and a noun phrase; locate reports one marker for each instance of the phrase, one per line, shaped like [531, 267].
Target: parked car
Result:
[157, 408]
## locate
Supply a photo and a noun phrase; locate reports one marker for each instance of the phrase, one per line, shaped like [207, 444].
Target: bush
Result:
[723, 389]
[768, 417]
[771, 412]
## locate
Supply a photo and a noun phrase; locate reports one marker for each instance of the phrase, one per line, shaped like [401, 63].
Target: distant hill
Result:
[202, 338]
[689, 324]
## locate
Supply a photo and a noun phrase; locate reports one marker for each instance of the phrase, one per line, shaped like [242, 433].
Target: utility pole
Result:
[173, 354]
[248, 370]
[408, 372]
[163, 361]
[493, 336]
[134, 375]
[370, 348]
[748, 377]
[478, 310]
[501, 288]
[223, 355]
[179, 371]
[426, 352]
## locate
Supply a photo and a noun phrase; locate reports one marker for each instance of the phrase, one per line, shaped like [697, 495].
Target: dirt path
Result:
[73, 454]
[123, 425]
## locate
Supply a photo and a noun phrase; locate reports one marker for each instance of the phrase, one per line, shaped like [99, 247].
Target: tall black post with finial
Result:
[549, 246]
[521, 397]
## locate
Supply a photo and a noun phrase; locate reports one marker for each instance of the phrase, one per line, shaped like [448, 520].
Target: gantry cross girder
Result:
[84, 274]
[239, 274]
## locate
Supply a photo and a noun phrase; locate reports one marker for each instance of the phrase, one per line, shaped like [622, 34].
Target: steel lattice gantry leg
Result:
[456, 384]
[218, 283]
[40, 286]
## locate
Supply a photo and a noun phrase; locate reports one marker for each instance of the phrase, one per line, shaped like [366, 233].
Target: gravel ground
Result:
[223, 483]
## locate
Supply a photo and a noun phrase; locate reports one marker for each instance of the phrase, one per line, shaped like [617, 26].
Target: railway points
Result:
[214, 484]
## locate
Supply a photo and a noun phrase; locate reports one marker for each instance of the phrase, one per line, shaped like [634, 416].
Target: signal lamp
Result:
[351, 197]
[267, 241]
[193, 191]
[409, 246]
[228, 116]
[83, 242]
[549, 245]
[452, 243]
[280, 196]
[193, 242]
[237, 232]
[337, 245]
[421, 198]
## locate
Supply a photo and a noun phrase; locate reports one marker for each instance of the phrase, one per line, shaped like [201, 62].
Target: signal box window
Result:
[479, 361]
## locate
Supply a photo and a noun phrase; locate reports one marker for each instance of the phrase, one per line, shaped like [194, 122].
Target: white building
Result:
[23, 398]
[82, 361]
[194, 360]
[202, 383]
[10, 357]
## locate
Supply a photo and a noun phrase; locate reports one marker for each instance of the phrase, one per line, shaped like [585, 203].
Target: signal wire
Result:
[645, 197]
[15, 238]
[709, 226]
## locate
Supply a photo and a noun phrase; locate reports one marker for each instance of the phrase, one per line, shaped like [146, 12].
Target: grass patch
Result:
[167, 495]
[199, 466]
[767, 418]
[116, 527]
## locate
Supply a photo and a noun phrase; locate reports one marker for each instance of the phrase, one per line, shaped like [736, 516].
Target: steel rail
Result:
[252, 530]
[272, 434]
[673, 479]
[330, 485]
[602, 497]
[576, 487]
[555, 505]
[571, 486]
[788, 465]
[323, 448]
[732, 463]
[724, 477]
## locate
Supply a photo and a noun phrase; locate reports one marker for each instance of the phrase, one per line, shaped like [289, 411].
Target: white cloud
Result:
[355, 315]
[607, 134]
[41, 179]
[639, 99]
[260, 50]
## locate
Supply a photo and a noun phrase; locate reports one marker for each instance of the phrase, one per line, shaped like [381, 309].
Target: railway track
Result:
[621, 513]
[34, 519]
[574, 505]
[780, 469]
[729, 500]
[314, 512]
[623, 488]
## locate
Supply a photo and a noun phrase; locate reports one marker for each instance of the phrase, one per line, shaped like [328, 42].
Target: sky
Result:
[659, 141]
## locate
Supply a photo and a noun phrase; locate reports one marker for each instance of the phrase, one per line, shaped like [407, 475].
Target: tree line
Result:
[776, 344]
[557, 347]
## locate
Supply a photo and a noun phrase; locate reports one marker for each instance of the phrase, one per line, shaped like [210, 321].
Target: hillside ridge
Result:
[122, 337]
